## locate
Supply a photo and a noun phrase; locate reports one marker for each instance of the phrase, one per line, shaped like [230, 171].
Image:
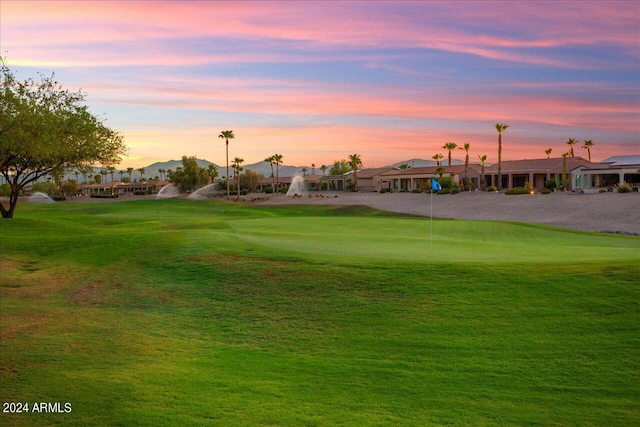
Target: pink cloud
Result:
[468, 27]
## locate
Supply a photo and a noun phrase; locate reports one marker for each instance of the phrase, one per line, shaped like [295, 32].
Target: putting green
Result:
[444, 240]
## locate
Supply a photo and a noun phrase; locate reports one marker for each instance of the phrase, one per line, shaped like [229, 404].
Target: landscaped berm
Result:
[173, 312]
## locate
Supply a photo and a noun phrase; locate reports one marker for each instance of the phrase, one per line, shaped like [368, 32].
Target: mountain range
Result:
[263, 168]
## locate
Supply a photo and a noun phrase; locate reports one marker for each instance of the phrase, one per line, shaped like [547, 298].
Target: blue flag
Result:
[435, 185]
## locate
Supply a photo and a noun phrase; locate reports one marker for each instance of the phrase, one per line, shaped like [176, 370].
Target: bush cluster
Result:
[492, 188]
[518, 190]
[625, 188]
[385, 190]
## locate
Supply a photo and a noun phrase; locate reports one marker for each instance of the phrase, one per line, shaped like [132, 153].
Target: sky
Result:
[316, 81]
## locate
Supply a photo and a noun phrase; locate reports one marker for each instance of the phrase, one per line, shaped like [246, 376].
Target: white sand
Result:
[604, 212]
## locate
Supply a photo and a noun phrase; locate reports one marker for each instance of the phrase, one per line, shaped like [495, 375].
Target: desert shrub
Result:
[602, 190]
[624, 188]
[58, 198]
[446, 182]
[545, 191]
[244, 192]
[268, 189]
[385, 190]
[416, 190]
[492, 188]
[284, 190]
[550, 184]
[455, 190]
[404, 191]
[444, 191]
[518, 190]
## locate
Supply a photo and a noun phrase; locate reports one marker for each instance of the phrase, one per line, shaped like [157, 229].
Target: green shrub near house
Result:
[625, 188]
[545, 191]
[492, 188]
[518, 190]
[444, 191]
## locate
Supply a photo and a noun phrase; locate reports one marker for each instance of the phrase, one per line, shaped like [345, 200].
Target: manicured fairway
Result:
[210, 313]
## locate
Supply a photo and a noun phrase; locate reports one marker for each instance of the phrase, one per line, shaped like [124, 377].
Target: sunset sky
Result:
[316, 81]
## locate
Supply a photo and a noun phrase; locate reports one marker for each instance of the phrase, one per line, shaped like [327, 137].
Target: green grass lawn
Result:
[211, 313]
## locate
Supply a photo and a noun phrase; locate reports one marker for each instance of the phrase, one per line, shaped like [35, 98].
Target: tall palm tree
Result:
[237, 168]
[130, 172]
[313, 168]
[142, 171]
[355, 161]
[161, 172]
[76, 172]
[304, 171]
[587, 146]
[324, 168]
[571, 142]
[121, 172]
[112, 170]
[450, 146]
[212, 170]
[500, 127]
[271, 159]
[465, 147]
[548, 152]
[483, 160]
[227, 135]
[277, 158]
[438, 158]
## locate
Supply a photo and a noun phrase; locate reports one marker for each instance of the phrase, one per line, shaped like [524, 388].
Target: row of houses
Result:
[581, 174]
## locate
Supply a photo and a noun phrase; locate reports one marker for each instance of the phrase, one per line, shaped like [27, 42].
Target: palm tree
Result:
[437, 158]
[324, 168]
[271, 159]
[304, 171]
[121, 172]
[142, 171]
[227, 135]
[277, 158]
[103, 174]
[571, 142]
[112, 170]
[236, 166]
[313, 168]
[465, 147]
[450, 146]
[564, 170]
[404, 166]
[500, 127]
[212, 170]
[587, 146]
[354, 162]
[161, 171]
[548, 152]
[130, 172]
[483, 160]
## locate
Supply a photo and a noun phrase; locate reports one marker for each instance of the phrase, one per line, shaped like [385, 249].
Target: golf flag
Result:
[435, 185]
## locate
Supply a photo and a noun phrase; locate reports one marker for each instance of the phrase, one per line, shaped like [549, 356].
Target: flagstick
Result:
[431, 223]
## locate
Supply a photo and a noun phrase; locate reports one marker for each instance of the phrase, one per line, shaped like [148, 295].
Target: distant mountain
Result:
[154, 169]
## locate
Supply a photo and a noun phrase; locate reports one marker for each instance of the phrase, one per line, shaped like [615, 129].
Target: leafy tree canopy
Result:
[190, 176]
[45, 128]
[340, 167]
